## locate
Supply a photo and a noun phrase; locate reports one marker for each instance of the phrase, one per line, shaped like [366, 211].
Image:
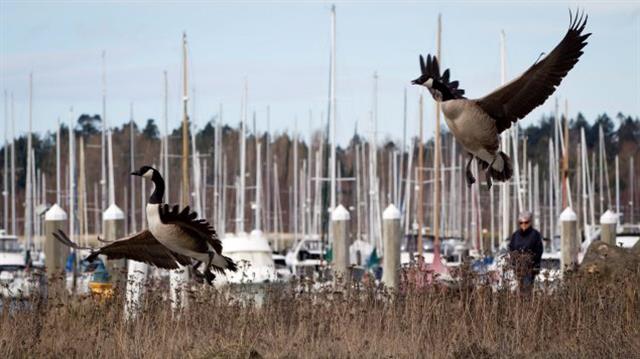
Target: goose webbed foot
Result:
[470, 179]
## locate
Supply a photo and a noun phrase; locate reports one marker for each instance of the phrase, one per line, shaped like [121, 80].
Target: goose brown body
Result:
[474, 129]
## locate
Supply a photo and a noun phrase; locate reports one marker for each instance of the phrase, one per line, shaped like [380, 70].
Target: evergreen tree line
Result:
[621, 137]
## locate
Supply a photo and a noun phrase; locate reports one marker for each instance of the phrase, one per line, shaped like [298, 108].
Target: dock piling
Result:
[339, 228]
[608, 222]
[569, 239]
[391, 236]
[55, 252]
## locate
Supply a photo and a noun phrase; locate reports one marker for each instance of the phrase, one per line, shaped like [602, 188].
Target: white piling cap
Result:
[340, 214]
[112, 213]
[256, 233]
[608, 217]
[568, 215]
[391, 212]
[55, 213]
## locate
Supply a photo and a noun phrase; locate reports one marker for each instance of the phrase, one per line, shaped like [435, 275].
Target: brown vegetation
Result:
[584, 317]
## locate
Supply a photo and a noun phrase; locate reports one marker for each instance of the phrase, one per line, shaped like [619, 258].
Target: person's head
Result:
[524, 220]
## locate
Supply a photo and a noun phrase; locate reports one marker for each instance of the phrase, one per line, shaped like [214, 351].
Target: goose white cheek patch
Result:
[429, 83]
[148, 174]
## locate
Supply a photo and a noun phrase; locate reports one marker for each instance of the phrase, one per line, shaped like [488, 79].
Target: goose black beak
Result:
[136, 173]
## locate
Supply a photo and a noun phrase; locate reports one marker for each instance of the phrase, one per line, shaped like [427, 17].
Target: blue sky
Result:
[282, 49]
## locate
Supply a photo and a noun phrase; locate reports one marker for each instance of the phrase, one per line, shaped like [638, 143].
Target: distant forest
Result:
[621, 137]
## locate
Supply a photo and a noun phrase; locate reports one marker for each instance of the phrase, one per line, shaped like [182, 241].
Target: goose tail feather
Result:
[230, 264]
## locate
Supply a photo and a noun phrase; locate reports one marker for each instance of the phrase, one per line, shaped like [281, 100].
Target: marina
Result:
[293, 239]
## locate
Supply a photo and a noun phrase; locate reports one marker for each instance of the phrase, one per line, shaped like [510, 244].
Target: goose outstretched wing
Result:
[141, 247]
[188, 221]
[517, 98]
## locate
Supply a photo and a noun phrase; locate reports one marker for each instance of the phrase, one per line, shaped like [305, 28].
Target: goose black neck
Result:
[158, 191]
[444, 90]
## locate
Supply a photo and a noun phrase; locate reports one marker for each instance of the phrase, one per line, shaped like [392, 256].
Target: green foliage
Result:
[88, 125]
[150, 130]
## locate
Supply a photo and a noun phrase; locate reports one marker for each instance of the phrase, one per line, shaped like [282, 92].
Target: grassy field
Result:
[585, 317]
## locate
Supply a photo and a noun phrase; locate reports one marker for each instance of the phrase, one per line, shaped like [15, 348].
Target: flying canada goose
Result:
[174, 237]
[477, 124]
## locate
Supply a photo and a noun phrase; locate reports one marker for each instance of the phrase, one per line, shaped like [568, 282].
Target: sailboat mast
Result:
[296, 186]
[504, 186]
[565, 155]
[617, 188]
[358, 184]
[166, 167]
[143, 212]
[5, 189]
[81, 191]
[71, 177]
[243, 149]
[408, 190]
[393, 181]
[437, 154]
[222, 215]
[13, 169]
[103, 172]
[632, 197]
[332, 109]
[58, 194]
[374, 201]
[112, 191]
[258, 213]
[494, 246]
[268, 189]
[606, 173]
[399, 197]
[600, 169]
[276, 203]
[420, 170]
[184, 199]
[28, 194]
[515, 134]
[132, 166]
[195, 161]
[126, 209]
[583, 178]
[219, 188]
[536, 194]
[34, 197]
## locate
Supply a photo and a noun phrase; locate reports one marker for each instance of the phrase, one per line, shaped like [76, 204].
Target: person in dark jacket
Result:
[525, 250]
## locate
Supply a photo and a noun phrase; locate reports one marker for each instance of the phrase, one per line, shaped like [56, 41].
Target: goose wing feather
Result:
[517, 98]
[141, 247]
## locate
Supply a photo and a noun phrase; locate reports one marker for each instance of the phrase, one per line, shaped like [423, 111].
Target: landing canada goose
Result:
[477, 124]
[174, 237]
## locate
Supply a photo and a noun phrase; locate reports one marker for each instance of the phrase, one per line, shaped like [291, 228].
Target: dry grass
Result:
[585, 317]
